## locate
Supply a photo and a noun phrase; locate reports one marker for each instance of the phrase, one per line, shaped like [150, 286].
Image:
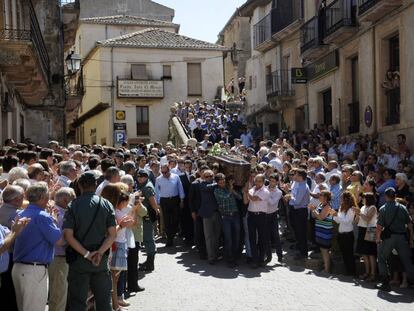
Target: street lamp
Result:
[73, 62]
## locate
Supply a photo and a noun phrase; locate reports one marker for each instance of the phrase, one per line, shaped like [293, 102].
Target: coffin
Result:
[232, 165]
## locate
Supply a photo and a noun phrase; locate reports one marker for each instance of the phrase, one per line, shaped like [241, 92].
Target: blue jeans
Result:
[231, 233]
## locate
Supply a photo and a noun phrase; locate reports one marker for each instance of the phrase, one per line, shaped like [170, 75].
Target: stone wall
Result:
[143, 8]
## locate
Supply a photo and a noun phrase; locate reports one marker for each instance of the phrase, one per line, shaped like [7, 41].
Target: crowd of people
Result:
[72, 220]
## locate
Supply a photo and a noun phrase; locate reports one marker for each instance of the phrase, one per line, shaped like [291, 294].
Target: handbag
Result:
[71, 254]
[386, 233]
[370, 234]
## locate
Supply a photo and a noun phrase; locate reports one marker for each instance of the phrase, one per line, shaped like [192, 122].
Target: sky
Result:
[202, 19]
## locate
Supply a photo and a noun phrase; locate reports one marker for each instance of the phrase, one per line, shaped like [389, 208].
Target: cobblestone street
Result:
[181, 281]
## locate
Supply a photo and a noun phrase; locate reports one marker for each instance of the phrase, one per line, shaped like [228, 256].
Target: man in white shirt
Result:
[68, 173]
[275, 161]
[257, 198]
[112, 175]
[275, 194]
[246, 138]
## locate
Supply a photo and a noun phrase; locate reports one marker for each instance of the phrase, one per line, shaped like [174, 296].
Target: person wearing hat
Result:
[393, 220]
[148, 192]
[119, 159]
[89, 230]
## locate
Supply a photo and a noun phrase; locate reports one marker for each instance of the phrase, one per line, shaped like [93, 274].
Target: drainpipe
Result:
[374, 89]
[112, 96]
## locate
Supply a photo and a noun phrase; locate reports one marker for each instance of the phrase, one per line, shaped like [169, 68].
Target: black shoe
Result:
[140, 289]
[268, 259]
[136, 289]
[384, 286]
[280, 259]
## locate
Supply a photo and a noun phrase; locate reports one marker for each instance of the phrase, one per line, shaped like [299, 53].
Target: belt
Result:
[230, 214]
[170, 198]
[257, 213]
[33, 264]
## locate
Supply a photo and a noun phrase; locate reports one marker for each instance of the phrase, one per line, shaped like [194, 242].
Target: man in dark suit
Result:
[194, 202]
[186, 221]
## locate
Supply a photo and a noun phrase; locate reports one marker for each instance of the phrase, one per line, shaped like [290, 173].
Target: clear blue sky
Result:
[202, 19]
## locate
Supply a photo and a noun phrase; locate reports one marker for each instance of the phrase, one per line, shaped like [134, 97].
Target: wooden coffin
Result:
[231, 165]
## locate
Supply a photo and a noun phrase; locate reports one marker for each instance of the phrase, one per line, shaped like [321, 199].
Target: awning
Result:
[91, 113]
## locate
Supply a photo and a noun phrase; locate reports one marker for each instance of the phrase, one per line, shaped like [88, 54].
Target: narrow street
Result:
[181, 281]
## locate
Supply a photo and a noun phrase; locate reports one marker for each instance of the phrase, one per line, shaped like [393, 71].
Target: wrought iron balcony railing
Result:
[340, 13]
[310, 34]
[15, 34]
[278, 84]
[262, 31]
[365, 5]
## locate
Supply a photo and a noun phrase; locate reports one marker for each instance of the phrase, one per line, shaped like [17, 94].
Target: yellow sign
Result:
[120, 115]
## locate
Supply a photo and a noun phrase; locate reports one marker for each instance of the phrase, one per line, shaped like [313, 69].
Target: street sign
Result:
[299, 76]
[120, 126]
[120, 115]
[120, 136]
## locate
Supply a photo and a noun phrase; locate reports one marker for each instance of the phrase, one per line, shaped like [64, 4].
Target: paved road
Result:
[181, 281]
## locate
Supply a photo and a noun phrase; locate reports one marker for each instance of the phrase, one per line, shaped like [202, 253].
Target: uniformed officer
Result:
[89, 229]
[393, 217]
[148, 192]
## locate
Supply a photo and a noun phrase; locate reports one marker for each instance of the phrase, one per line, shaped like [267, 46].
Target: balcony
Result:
[312, 45]
[262, 33]
[286, 19]
[278, 85]
[70, 20]
[373, 10]
[24, 59]
[340, 21]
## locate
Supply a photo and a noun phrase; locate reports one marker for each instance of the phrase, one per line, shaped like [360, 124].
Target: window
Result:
[250, 82]
[143, 121]
[327, 107]
[194, 79]
[166, 72]
[139, 72]
[392, 82]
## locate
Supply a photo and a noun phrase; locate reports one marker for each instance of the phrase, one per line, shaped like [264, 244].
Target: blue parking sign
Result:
[120, 136]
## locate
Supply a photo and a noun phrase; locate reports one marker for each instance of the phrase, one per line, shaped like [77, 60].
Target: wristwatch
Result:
[87, 254]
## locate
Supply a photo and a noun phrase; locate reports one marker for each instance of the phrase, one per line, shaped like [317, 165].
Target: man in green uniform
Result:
[394, 218]
[148, 192]
[89, 229]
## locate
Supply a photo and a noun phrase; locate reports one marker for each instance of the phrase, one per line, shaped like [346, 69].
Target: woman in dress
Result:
[323, 227]
[367, 218]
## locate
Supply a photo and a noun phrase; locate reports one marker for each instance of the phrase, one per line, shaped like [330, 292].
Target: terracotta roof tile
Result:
[128, 20]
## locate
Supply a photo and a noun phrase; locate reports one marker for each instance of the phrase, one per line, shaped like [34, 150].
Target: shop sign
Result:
[323, 66]
[140, 89]
[119, 126]
[299, 76]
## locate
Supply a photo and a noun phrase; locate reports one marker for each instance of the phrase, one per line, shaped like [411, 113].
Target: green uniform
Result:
[82, 273]
[148, 191]
[397, 240]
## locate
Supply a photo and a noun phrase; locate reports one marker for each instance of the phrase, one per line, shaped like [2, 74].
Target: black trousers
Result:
[132, 276]
[258, 235]
[186, 222]
[346, 245]
[171, 211]
[199, 236]
[273, 235]
[7, 292]
[300, 227]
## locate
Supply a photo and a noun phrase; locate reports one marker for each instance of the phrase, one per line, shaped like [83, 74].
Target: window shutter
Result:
[139, 72]
[166, 71]
[194, 79]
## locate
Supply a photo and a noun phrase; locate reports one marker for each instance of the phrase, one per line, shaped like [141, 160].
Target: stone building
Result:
[132, 81]
[32, 46]
[359, 63]
[235, 36]
[274, 102]
[138, 8]
[331, 62]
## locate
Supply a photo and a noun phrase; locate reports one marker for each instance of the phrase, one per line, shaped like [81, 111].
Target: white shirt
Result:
[317, 190]
[64, 181]
[345, 221]
[392, 161]
[274, 198]
[262, 205]
[335, 171]
[277, 164]
[121, 235]
[363, 223]
[101, 186]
